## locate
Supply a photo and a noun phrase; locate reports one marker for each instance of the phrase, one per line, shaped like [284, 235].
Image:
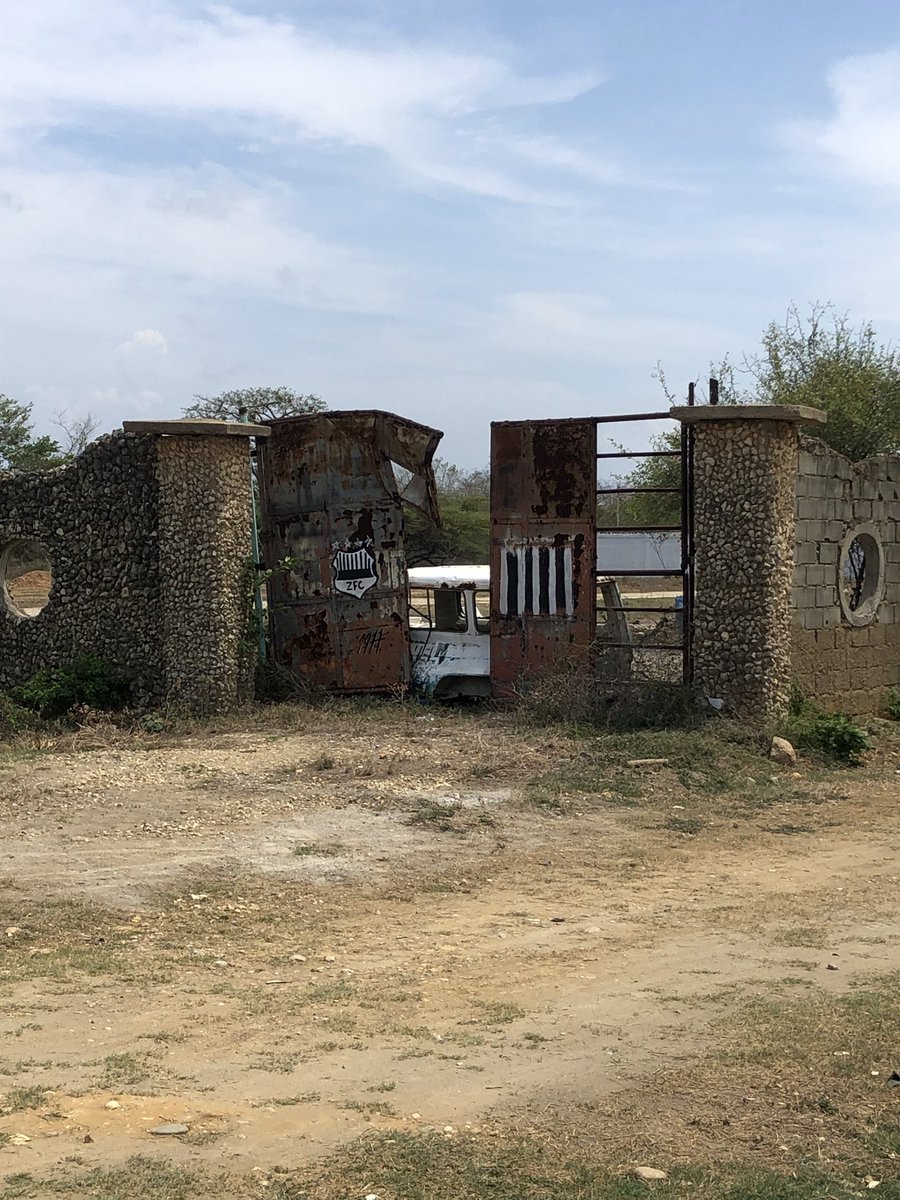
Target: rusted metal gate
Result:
[332, 537]
[543, 545]
[546, 580]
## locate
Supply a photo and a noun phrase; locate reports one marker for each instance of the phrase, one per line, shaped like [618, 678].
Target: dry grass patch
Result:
[795, 1082]
[140, 1178]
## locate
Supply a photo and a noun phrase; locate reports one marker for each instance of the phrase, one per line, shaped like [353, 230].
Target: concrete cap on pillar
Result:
[197, 427]
[798, 414]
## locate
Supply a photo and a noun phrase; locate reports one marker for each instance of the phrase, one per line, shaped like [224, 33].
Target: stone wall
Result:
[204, 524]
[147, 536]
[846, 659]
[744, 472]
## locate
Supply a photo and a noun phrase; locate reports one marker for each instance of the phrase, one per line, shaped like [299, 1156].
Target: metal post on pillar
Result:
[244, 416]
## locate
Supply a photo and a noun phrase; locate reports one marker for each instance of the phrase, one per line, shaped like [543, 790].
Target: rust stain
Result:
[332, 505]
[543, 545]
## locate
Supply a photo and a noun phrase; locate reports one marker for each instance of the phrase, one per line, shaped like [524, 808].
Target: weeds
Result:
[419, 1166]
[574, 695]
[686, 825]
[15, 719]
[834, 735]
[802, 935]
[721, 760]
[288, 1101]
[121, 1071]
[87, 681]
[435, 815]
[139, 1178]
[22, 1099]
[500, 1012]
[166, 1037]
[371, 1108]
[329, 992]
[278, 1062]
[318, 849]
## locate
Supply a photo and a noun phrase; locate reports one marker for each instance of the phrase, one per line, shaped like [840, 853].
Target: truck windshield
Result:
[441, 609]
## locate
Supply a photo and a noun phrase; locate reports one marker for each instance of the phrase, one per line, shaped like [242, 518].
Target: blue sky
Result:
[463, 213]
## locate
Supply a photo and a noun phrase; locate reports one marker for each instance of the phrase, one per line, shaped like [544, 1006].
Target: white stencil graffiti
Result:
[536, 578]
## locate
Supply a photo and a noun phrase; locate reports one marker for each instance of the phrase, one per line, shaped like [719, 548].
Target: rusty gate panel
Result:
[332, 513]
[543, 545]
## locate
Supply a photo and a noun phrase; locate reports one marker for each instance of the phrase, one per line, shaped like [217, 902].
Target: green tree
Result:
[452, 480]
[649, 508]
[20, 450]
[262, 404]
[821, 361]
[465, 532]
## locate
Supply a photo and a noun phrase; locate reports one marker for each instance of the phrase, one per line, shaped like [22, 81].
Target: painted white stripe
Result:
[551, 586]
[570, 603]
[536, 579]
[504, 580]
[520, 554]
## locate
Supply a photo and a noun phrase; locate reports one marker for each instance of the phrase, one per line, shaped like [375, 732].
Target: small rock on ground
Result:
[782, 751]
[649, 1173]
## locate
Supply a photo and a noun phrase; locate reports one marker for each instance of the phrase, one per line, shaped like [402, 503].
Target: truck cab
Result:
[449, 631]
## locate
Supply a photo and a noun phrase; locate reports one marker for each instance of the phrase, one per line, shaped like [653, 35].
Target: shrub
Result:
[85, 681]
[833, 734]
[573, 694]
[893, 704]
[14, 718]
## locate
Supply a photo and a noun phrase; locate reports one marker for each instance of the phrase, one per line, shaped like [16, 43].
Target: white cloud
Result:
[861, 138]
[149, 340]
[590, 327]
[111, 220]
[62, 65]
[78, 231]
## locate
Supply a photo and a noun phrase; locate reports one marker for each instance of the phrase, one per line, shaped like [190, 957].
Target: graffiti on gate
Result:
[536, 577]
[353, 569]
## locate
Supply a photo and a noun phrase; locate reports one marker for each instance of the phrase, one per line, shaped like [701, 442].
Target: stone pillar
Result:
[745, 470]
[203, 472]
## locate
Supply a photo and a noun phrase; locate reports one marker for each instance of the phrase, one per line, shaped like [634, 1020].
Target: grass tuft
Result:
[21, 1099]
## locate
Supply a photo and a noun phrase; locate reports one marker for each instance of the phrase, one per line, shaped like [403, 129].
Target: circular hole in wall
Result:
[861, 576]
[26, 576]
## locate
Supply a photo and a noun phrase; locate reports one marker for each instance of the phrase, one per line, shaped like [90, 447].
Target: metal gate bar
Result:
[685, 527]
[687, 538]
[640, 454]
[641, 528]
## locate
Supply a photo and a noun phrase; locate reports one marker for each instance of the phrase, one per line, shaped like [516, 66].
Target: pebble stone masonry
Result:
[745, 471]
[147, 533]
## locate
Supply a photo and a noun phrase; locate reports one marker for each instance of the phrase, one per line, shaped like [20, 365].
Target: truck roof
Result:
[458, 576]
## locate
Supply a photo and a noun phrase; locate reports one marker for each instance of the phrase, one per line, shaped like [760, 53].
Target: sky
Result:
[458, 212]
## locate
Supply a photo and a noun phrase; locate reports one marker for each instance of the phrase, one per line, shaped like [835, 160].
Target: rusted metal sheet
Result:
[332, 513]
[543, 545]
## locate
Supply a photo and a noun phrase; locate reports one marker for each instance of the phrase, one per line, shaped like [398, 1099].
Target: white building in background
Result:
[626, 551]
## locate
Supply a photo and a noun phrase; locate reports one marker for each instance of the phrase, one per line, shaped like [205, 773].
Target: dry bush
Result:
[575, 694]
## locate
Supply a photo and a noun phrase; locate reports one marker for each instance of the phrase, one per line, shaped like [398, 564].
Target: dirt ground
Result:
[285, 930]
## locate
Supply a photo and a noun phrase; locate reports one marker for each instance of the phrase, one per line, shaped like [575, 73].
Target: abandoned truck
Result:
[449, 629]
